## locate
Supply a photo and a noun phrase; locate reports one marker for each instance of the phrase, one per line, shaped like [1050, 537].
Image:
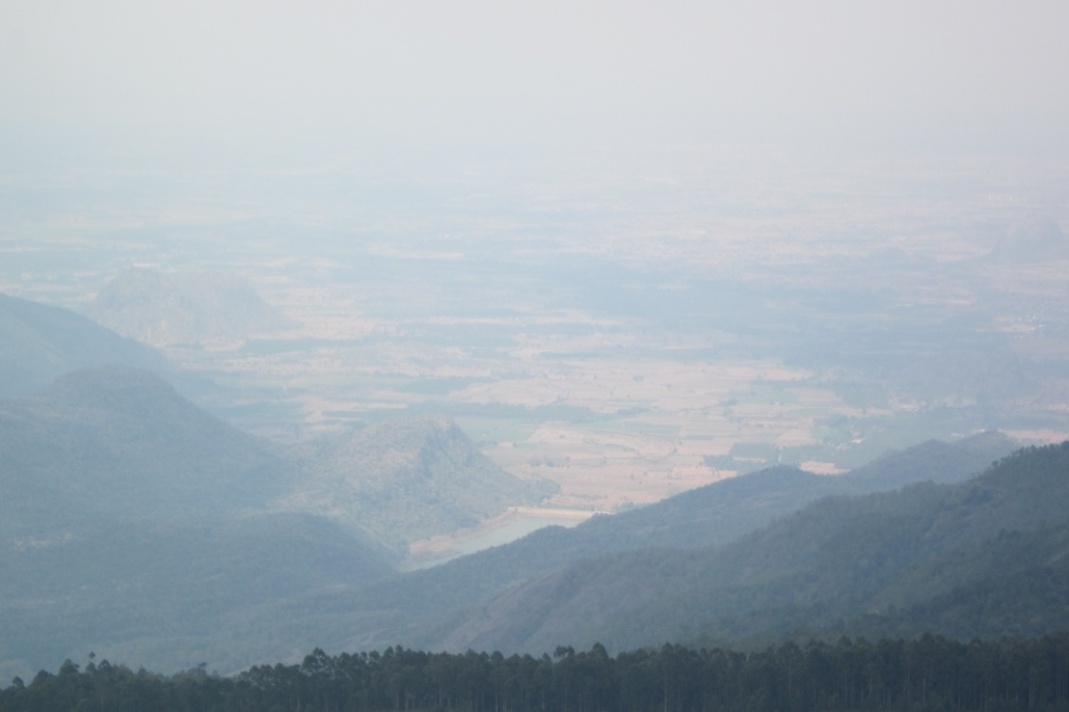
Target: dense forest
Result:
[926, 673]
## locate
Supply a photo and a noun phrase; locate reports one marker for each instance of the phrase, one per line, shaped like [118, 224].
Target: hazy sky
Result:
[171, 78]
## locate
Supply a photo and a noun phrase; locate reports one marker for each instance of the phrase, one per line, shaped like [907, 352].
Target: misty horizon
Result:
[151, 85]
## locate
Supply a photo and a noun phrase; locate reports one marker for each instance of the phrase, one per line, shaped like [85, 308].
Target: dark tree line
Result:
[929, 673]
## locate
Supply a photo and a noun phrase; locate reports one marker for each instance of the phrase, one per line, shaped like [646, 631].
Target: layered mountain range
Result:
[160, 308]
[133, 519]
[141, 528]
[41, 343]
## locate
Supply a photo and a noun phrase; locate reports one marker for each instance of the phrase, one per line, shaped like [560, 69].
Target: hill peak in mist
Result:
[184, 307]
[116, 441]
[408, 480]
[42, 342]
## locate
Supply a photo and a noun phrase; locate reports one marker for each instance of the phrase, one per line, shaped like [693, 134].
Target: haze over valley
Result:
[624, 351]
[526, 328]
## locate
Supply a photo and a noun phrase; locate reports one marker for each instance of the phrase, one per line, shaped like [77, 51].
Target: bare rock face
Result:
[166, 309]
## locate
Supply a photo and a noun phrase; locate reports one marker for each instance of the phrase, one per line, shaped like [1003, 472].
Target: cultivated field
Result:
[626, 334]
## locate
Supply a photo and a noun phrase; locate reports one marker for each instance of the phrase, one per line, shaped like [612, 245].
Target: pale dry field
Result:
[616, 413]
[656, 417]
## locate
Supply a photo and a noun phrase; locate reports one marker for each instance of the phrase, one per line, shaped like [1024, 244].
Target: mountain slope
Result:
[713, 515]
[931, 461]
[40, 343]
[823, 569]
[134, 522]
[162, 309]
[407, 480]
[114, 441]
[139, 525]
[450, 607]
[164, 594]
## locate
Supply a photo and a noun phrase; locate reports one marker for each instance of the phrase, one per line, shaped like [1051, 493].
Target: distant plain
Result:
[626, 334]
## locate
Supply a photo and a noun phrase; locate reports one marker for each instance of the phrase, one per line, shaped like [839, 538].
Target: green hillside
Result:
[41, 343]
[895, 561]
[928, 673]
[453, 606]
[166, 594]
[138, 524]
[159, 308]
[407, 480]
[119, 442]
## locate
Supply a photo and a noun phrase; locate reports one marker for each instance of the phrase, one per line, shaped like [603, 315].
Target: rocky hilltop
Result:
[181, 308]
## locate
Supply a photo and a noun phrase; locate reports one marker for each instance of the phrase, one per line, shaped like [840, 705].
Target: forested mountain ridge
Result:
[186, 542]
[432, 603]
[166, 594]
[115, 441]
[41, 343]
[927, 673]
[135, 522]
[164, 308]
[841, 564]
[718, 513]
[138, 524]
[407, 480]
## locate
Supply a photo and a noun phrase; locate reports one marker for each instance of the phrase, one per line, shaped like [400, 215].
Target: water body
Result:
[516, 523]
